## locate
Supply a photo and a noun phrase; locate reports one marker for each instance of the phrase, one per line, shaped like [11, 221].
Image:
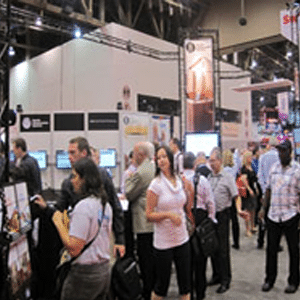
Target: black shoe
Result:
[213, 281]
[237, 247]
[222, 289]
[267, 287]
[290, 289]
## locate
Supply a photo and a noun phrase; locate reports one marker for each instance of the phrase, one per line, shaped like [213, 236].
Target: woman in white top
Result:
[167, 198]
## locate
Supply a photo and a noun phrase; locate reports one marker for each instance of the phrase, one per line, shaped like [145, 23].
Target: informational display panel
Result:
[17, 207]
[199, 84]
[19, 266]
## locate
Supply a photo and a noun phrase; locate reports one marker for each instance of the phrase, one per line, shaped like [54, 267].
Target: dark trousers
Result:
[198, 264]
[290, 230]
[129, 235]
[146, 262]
[221, 261]
[235, 226]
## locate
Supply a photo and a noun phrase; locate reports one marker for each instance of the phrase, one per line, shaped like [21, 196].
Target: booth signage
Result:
[69, 121]
[103, 121]
[35, 123]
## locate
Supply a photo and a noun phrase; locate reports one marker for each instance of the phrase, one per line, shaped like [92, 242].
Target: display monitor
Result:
[201, 141]
[108, 158]
[41, 157]
[62, 160]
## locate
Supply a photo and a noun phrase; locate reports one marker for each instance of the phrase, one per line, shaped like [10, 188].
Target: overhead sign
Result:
[288, 24]
[68, 121]
[35, 123]
[103, 121]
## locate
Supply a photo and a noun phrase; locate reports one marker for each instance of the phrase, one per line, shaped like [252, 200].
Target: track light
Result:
[11, 51]
[38, 21]
[77, 32]
[253, 64]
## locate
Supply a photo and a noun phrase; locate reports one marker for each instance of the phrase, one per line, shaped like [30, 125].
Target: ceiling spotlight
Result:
[38, 21]
[253, 64]
[11, 51]
[77, 32]
[289, 54]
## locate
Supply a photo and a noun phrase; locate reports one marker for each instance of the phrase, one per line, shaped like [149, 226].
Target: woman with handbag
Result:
[90, 225]
[167, 197]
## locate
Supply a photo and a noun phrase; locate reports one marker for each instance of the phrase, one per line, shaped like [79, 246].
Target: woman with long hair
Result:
[167, 198]
[249, 202]
[89, 277]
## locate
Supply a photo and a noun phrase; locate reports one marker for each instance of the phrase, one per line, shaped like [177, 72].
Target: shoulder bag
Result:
[63, 269]
[205, 235]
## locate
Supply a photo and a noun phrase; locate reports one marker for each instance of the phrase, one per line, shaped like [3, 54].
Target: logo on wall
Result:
[35, 123]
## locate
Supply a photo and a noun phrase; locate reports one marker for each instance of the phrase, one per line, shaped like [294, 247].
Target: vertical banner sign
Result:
[283, 105]
[199, 84]
[288, 24]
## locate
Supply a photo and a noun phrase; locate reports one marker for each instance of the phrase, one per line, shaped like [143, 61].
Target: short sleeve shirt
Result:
[166, 235]
[84, 225]
[224, 189]
[284, 184]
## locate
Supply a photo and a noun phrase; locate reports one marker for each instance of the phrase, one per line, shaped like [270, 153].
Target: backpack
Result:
[125, 279]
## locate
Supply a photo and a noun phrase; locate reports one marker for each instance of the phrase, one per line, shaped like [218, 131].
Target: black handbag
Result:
[63, 269]
[125, 279]
[205, 235]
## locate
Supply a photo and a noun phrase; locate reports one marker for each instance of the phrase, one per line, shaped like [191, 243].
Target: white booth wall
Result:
[85, 76]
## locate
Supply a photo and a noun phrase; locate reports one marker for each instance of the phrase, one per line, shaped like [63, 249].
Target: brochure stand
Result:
[15, 218]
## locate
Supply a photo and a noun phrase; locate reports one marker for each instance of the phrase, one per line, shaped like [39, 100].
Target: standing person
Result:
[25, 167]
[229, 166]
[282, 198]
[167, 197]
[89, 277]
[175, 147]
[205, 207]
[136, 186]
[265, 162]
[201, 165]
[224, 189]
[79, 148]
[249, 203]
[129, 235]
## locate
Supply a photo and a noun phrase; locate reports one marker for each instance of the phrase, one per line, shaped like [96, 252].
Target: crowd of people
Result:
[169, 193]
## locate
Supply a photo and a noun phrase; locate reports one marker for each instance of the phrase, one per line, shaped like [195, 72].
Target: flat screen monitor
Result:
[108, 158]
[201, 141]
[41, 157]
[62, 160]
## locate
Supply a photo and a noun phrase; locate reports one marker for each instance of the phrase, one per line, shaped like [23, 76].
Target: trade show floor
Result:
[248, 272]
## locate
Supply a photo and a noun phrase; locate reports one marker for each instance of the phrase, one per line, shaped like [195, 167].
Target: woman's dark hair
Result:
[88, 171]
[170, 158]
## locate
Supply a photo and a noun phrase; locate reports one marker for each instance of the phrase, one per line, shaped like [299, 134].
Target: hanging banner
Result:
[160, 129]
[283, 105]
[199, 84]
[288, 24]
